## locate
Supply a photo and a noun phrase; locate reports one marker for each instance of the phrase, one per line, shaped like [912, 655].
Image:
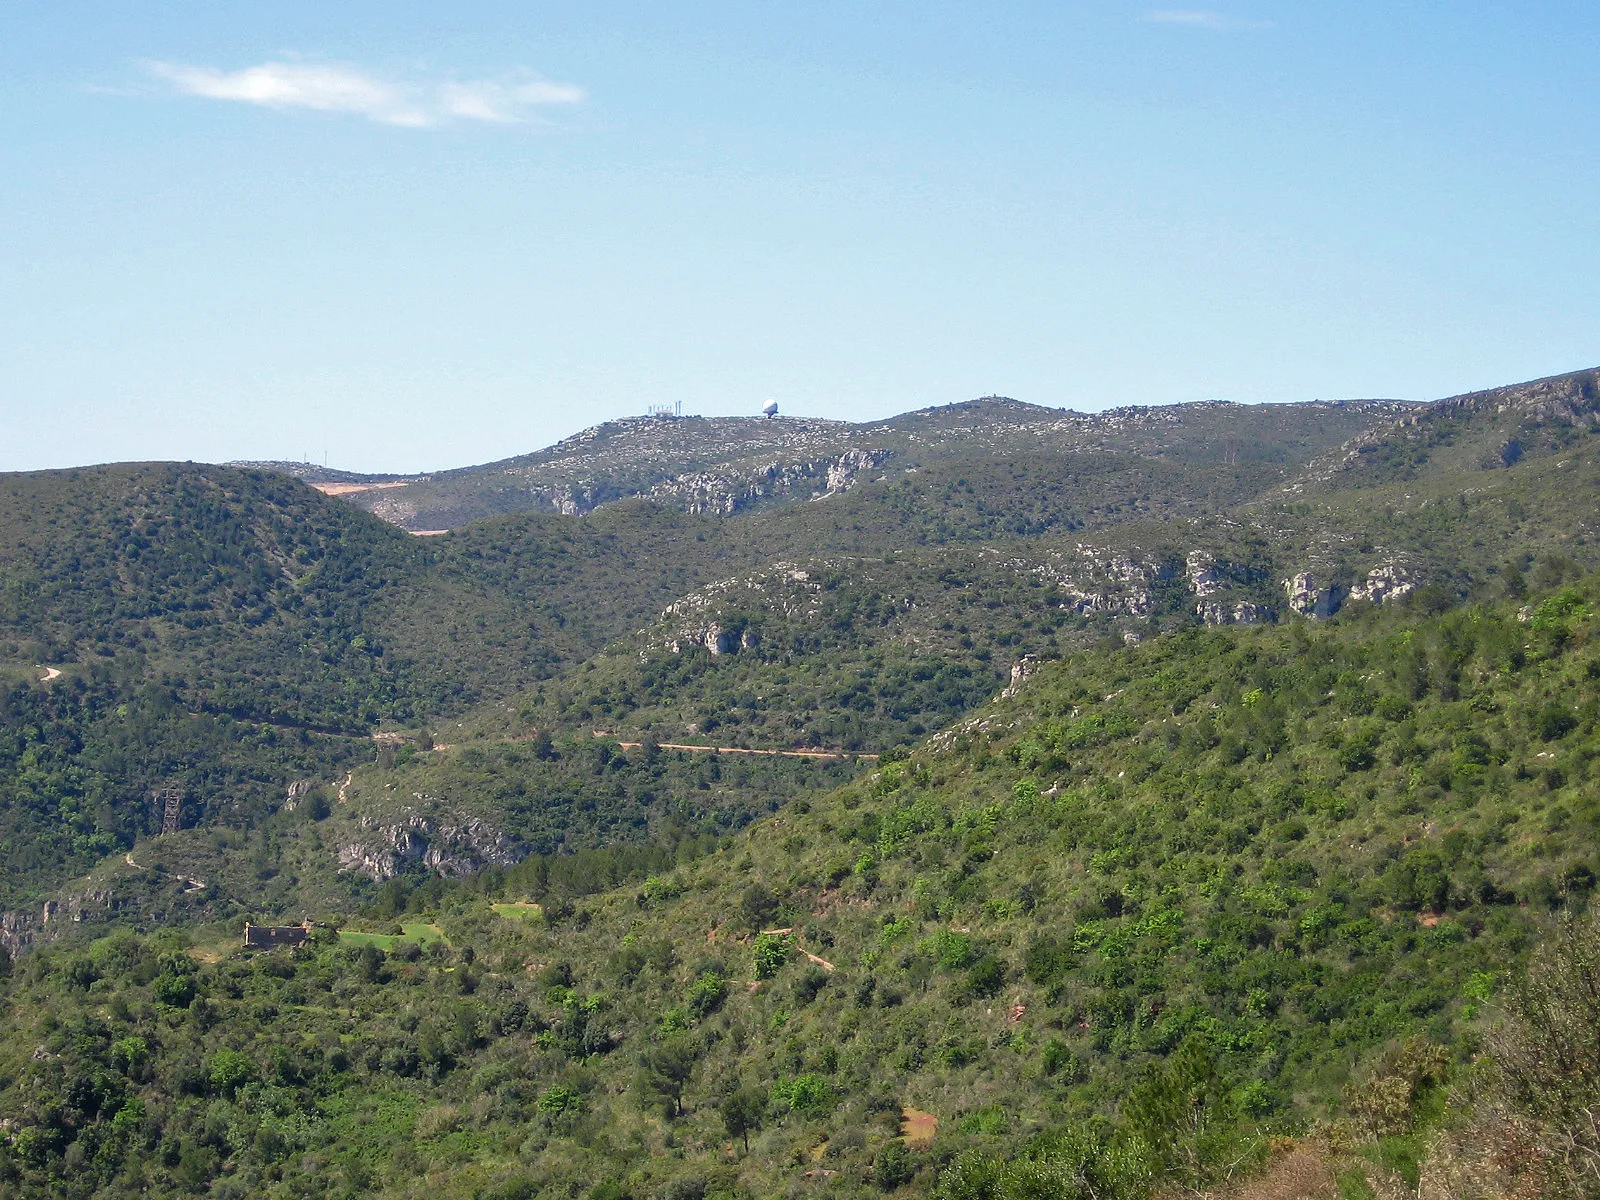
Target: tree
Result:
[757, 906]
[892, 1167]
[1182, 1110]
[707, 993]
[1546, 1056]
[230, 1070]
[771, 951]
[743, 1110]
[664, 1070]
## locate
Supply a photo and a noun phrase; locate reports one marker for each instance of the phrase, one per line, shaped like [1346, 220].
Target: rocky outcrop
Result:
[1242, 612]
[718, 617]
[1311, 598]
[1384, 583]
[55, 917]
[842, 474]
[1021, 671]
[723, 493]
[450, 845]
[1212, 581]
[1098, 580]
[1560, 401]
[298, 791]
[1204, 578]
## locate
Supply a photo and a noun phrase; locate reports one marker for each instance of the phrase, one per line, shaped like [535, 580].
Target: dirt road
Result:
[745, 750]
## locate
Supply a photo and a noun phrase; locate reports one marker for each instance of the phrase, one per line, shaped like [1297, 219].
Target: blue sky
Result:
[407, 236]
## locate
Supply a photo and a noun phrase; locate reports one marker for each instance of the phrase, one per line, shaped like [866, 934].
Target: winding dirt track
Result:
[189, 884]
[745, 750]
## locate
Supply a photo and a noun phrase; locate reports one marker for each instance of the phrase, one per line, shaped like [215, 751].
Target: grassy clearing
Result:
[519, 910]
[411, 931]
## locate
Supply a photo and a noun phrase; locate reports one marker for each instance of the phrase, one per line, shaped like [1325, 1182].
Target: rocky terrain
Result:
[731, 465]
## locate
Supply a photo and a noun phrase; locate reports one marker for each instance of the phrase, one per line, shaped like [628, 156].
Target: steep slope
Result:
[1164, 901]
[1466, 435]
[228, 632]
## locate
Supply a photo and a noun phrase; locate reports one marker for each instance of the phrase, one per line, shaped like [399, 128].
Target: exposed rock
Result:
[448, 845]
[718, 640]
[54, 917]
[298, 791]
[1021, 671]
[1101, 580]
[1384, 583]
[1244, 612]
[715, 616]
[1202, 568]
[1310, 598]
[842, 474]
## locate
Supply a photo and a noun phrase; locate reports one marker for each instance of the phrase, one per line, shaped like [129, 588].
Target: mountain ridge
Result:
[739, 464]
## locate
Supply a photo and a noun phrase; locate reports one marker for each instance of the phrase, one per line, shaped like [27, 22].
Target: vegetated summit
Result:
[1221, 747]
[727, 465]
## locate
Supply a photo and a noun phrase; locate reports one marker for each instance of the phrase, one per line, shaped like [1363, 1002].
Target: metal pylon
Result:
[170, 798]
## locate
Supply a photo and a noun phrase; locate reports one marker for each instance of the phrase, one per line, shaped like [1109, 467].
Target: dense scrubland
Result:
[1215, 813]
[1166, 906]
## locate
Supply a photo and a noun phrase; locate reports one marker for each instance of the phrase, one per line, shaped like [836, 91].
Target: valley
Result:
[988, 799]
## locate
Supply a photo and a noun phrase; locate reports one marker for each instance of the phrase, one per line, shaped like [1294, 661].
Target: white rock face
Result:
[1021, 671]
[1308, 597]
[55, 918]
[446, 845]
[1384, 583]
[842, 474]
[1202, 570]
[1095, 579]
[698, 618]
[718, 640]
[1245, 612]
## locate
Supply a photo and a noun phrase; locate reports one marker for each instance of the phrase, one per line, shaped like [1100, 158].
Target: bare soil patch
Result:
[918, 1128]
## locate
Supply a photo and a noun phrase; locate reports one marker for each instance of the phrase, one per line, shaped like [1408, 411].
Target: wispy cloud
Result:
[340, 88]
[1202, 18]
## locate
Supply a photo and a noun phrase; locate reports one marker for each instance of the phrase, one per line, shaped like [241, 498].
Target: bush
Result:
[176, 990]
[892, 1167]
[771, 952]
[986, 977]
[1546, 1055]
[707, 993]
[230, 1070]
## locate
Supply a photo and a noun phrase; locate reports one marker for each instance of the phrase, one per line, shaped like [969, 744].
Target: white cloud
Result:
[1201, 18]
[332, 87]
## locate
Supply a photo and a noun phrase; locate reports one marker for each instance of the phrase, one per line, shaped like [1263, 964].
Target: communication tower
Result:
[169, 800]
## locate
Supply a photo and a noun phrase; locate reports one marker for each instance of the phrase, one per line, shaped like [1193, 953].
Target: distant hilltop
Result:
[732, 465]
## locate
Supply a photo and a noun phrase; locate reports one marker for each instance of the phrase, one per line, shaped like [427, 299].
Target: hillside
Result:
[185, 606]
[229, 632]
[1214, 873]
[731, 465]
